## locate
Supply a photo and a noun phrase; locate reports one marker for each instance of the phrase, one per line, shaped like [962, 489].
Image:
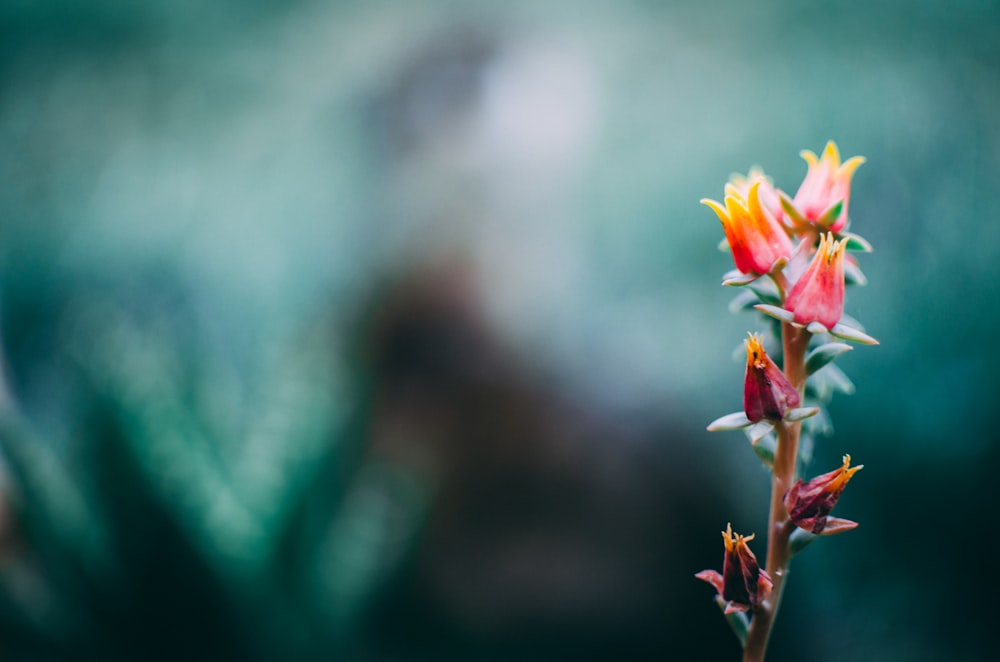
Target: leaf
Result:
[745, 300]
[765, 449]
[853, 274]
[735, 421]
[777, 313]
[759, 430]
[737, 620]
[767, 292]
[824, 354]
[800, 413]
[856, 242]
[816, 328]
[849, 333]
[818, 425]
[806, 444]
[838, 379]
[800, 539]
[736, 279]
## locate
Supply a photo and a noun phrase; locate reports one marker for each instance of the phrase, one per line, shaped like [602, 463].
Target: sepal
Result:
[830, 216]
[798, 220]
[835, 525]
[856, 242]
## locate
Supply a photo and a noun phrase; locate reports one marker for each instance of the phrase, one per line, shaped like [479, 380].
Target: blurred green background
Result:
[389, 330]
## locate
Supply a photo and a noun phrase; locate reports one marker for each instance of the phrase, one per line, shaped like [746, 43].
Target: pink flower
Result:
[756, 238]
[827, 182]
[742, 583]
[809, 504]
[818, 295]
[767, 393]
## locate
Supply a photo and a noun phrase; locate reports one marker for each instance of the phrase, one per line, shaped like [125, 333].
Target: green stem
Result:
[796, 342]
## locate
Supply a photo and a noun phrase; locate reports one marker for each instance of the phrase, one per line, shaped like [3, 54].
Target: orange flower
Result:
[818, 295]
[767, 393]
[827, 182]
[742, 583]
[756, 238]
[809, 504]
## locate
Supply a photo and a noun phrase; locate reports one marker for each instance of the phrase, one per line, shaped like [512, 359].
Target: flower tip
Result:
[831, 152]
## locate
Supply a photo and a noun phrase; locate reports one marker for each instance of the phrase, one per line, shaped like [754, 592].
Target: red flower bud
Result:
[809, 504]
[818, 295]
[767, 393]
[742, 584]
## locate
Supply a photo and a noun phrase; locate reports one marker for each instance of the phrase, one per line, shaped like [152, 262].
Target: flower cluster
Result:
[792, 266]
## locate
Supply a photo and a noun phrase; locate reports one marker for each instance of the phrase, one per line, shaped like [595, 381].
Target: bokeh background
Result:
[389, 330]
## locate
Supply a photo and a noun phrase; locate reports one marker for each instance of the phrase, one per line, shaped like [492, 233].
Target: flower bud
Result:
[809, 504]
[818, 294]
[827, 182]
[755, 237]
[767, 393]
[742, 584]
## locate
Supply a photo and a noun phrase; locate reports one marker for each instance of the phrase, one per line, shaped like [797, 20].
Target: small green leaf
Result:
[818, 425]
[765, 449]
[806, 444]
[737, 620]
[849, 333]
[830, 215]
[853, 274]
[800, 539]
[758, 430]
[856, 242]
[816, 328]
[838, 380]
[767, 292]
[800, 413]
[823, 354]
[745, 300]
[735, 421]
[776, 312]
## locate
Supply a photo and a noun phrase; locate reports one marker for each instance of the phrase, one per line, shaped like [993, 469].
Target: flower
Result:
[754, 235]
[809, 504]
[767, 393]
[818, 295]
[827, 183]
[768, 194]
[742, 583]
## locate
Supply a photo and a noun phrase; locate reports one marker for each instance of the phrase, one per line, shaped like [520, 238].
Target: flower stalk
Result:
[800, 245]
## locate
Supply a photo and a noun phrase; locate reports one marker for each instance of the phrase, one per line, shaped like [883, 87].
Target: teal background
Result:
[390, 330]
